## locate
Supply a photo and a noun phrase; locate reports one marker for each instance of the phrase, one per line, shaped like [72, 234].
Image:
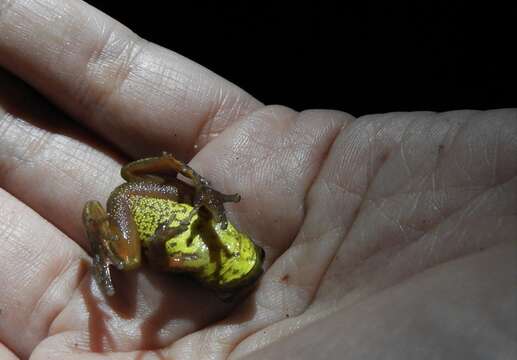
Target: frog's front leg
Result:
[150, 170]
[156, 249]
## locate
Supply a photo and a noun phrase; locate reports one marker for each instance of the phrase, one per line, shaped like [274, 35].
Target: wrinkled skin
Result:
[388, 236]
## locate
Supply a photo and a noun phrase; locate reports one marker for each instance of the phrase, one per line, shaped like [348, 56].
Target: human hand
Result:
[387, 236]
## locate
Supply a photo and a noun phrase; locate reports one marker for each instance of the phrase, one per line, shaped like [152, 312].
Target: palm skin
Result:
[386, 236]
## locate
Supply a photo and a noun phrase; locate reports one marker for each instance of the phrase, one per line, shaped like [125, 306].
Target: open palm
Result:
[389, 236]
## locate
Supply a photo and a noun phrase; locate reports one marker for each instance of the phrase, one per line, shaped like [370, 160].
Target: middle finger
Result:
[138, 95]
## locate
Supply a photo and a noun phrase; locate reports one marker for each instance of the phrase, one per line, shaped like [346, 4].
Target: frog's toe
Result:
[102, 275]
[235, 198]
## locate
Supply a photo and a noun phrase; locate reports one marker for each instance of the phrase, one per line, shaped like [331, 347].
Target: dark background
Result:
[367, 58]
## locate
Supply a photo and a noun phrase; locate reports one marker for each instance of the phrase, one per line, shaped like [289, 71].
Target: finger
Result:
[40, 270]
[47, 162]
[140, 96]
[6, 354]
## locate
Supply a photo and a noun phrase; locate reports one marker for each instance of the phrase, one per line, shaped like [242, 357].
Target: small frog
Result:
[178, 227]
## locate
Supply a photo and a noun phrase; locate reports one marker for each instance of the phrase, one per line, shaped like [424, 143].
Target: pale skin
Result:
[386, 236]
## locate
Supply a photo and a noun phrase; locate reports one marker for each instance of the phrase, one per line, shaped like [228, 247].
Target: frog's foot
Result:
[205, 196]
[102, 274]
[213, 201]
[98, 232]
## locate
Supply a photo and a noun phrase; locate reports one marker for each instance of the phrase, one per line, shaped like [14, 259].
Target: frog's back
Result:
[150, 212]
[149, 204]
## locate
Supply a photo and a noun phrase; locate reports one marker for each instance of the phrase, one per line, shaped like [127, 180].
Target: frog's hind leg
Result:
[127, 243]
[150, 169]
[98, 231]
[113, 236]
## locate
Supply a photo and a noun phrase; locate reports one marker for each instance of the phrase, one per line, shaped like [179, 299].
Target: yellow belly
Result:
[219, 258]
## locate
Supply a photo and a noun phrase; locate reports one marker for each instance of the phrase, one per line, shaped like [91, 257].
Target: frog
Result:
[175, 226]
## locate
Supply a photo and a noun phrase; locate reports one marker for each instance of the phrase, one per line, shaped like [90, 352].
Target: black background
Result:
[361, 58]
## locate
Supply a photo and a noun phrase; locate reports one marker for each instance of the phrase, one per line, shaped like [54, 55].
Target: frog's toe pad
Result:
[102, 275]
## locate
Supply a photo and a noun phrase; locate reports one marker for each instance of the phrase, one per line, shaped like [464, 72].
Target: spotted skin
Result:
[176, 226]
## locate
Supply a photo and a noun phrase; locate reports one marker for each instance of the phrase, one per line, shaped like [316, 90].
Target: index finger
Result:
[140, 96]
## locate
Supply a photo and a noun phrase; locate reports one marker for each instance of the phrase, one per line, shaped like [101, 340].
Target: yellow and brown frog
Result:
[178, 227]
